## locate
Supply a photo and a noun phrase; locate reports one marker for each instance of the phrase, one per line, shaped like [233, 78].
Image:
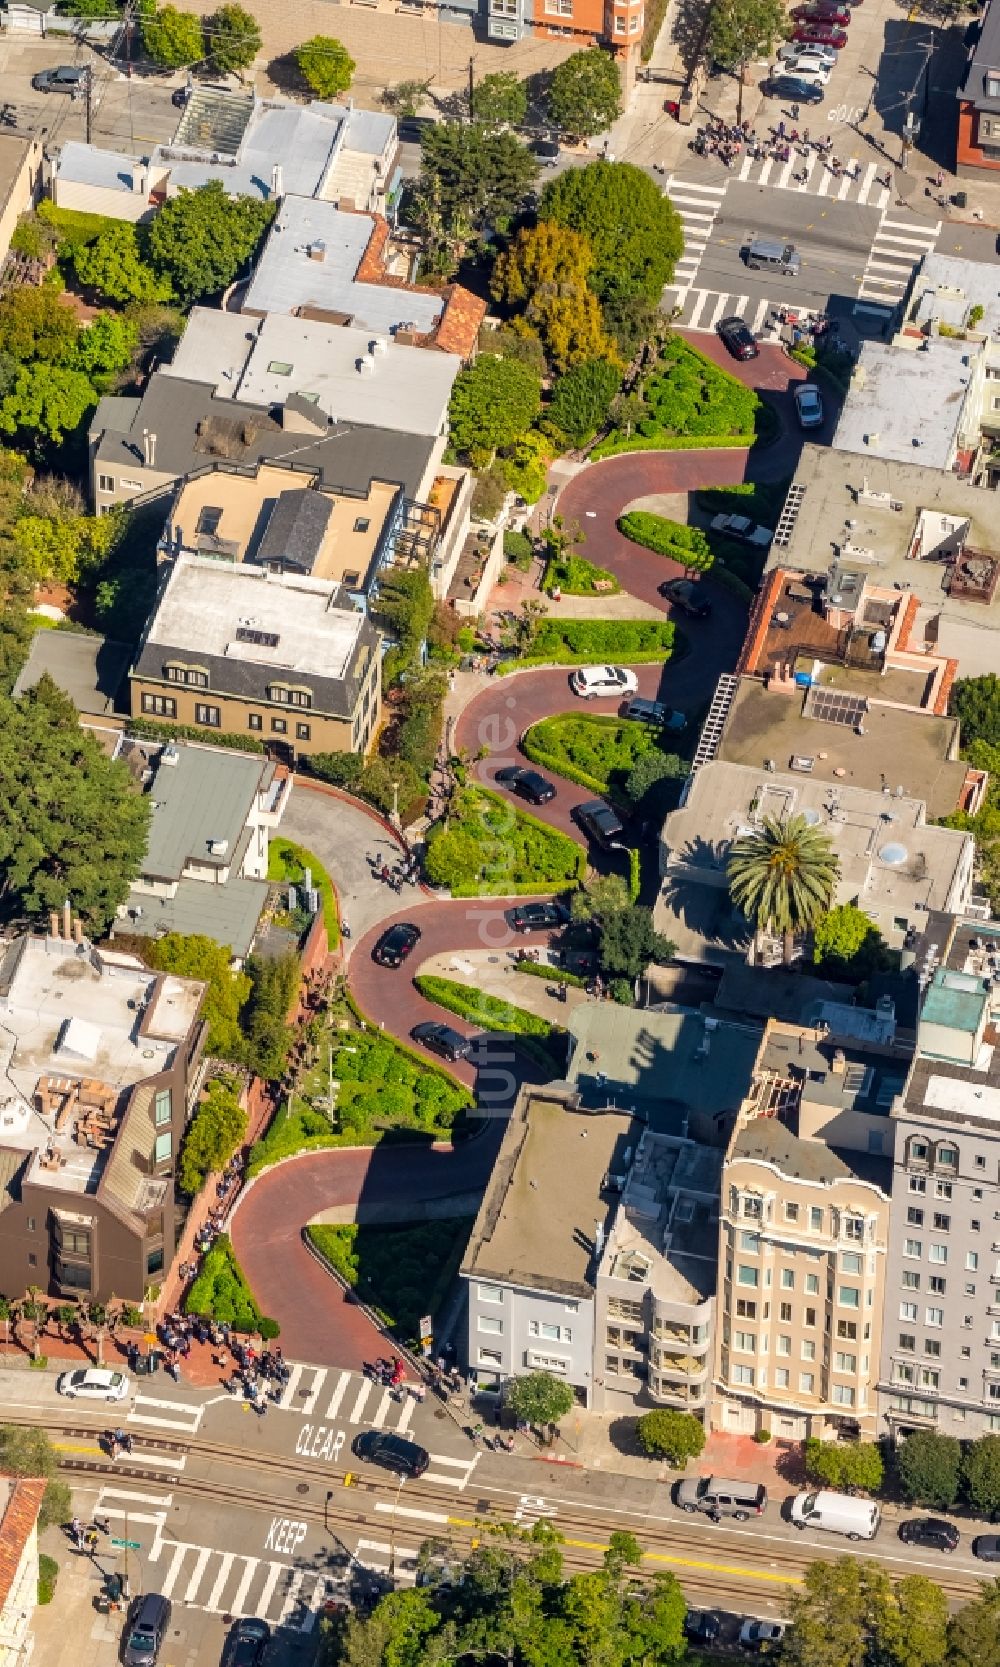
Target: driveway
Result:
[341, 834]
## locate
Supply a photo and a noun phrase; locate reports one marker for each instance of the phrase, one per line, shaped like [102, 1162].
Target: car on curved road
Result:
[684, 594]
[442, 1039]
[808, 405]
[590, 681]
[531, 784]
[930, 1531]
[396, 944]
[392, 1452]
[536, 917]
[655, 712]
[93, 1383]
[743, 530]
[737, 338]
[600, 823]
[987, 1548]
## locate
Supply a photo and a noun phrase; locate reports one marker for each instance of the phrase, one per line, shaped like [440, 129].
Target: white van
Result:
[837, 1513]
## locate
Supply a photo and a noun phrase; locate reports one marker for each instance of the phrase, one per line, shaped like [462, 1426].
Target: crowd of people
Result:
[405, 871]
[729, 141]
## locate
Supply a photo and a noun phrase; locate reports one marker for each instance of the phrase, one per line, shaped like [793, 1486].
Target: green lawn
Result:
[582, 642]
[404, 1273]
[487, 848]
[286, 861]
[689, 401]
[382, 1091]
[596, 752]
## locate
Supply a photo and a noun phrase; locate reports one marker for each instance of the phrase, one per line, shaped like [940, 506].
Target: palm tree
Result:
[782, 876]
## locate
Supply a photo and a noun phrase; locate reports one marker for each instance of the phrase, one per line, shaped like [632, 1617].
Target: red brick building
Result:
[978, 138]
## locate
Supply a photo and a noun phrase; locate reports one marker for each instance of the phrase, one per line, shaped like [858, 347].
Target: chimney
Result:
[839, 1062]
[149, 448]
[77, 929]
[277, 180]
[67, 920]
[139, 178]
[317, 250]
[54, 924]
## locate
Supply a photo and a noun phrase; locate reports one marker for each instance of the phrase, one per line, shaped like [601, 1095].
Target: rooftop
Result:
[902, 402]
[903, 526]
[956, 1001]
[241, 142]
[946, 287]
[202, 799]
[769, 1141]
[230, 914]
[82, 164]
[896, 745]
[88, 668]
[977, 84]
[20, 1503]
[800, 1063]
[664, 1233]
[535, 1225]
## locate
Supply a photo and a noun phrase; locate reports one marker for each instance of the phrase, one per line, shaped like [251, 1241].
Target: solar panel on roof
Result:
[834, 706]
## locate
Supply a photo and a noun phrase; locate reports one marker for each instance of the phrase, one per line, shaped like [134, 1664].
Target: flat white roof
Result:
[206, 602]
[957, 1095]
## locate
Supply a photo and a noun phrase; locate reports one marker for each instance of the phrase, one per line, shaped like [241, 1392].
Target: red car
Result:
[823, 11]
[822, 34]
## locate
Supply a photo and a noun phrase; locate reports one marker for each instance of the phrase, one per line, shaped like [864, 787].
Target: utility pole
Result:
[88, 94]
[472, 84]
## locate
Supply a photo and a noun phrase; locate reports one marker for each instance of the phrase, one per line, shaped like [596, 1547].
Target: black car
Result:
[599, 822]
[395, 945]
[546, 150]
[67, 78]
[702, 1625]
[931, 1531]
[536, 917]
[411, 129]
[987, 1547]
[529, 783]
[684, 595]
[246, 1644]
[791, 87]
[450, 1044]
[392, 1452]
[737, 339]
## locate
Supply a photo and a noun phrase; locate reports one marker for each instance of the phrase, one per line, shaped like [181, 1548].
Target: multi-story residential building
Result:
[804, 1229]
[20, 1503]
[977, 144]
[231, 647]
[941, 1339]
[100, 1063]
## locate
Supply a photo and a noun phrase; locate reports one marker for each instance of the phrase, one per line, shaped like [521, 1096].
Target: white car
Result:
[761, 1635]
[743, 530]
[808, 68]
[94, 1383]
[590, 681]
[808, 405]
[795, 50]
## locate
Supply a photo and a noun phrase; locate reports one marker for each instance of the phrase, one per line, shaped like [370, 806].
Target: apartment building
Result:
[940, 1363]
[100, 1064]
[977, 142]
[804, 1228]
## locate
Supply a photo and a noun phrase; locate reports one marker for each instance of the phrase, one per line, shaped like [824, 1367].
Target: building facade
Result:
[20, 1503]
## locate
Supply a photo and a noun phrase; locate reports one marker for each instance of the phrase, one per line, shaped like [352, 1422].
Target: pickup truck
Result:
[743, 530]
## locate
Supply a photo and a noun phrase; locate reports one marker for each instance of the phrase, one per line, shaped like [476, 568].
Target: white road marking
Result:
[285, 1398]
[170, 1578]
[363, 1394]
[214, 1604]
[313, 1396]
[252, 1565]
[338, 1395]
[386, 1507]
[291, 1597]
[201, 1563]
[273, 1575]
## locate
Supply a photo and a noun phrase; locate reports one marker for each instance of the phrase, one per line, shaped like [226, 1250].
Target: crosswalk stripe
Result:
[693, 321]
[333, 1406]
[214, 1602]
[886, 238]
[388, 1507]
[759, 316]
[273, 1576]
[897, 267]
[363, 1394]
[383, 1407]
[405, 1415]
[317, 1598]
[291, 1596]
[170, 1578]
[285, 1398]
[142, 1498]
[252, 1565]
[147, 1457]
[313, 1396]
[718, 311]
[200, 1565]
[464, 1464]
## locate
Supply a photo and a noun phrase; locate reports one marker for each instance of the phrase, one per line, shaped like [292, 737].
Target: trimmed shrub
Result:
[221, 1292]
[686, 545]
[489, 1012]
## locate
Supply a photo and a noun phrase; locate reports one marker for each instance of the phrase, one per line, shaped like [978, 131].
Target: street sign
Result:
[427, 1328]
[127, 1545]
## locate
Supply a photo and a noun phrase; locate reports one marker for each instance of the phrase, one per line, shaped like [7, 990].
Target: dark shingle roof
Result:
[296, 528]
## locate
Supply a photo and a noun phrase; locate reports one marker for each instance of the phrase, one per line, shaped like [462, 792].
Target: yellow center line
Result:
[724, 1568]
[74, 1447]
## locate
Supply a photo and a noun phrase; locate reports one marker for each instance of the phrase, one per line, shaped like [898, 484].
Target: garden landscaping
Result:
[545, 1042]
[576, 576]
[287, 862]
[688, 546]
[687, 401]
[403, 1273]
[486, 848]
[760, 501]
[221, 1293]
[596, 752]
[580, 642]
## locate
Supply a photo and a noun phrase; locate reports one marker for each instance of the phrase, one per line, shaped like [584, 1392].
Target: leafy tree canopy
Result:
[471, 176]
[214, 1133]
[974, 1632]
[113, 265]
[539, 1398]
[38, 324]
[581, 400]
[545, 271]
[173, 38]
[981, 1475]
[851, 1613]
[500, 100]
[845, 1465]
[585, 94]
[675, 1436]
[974, 700]
[74, 824]
[325, 65]
[233, 39]
[782, 875]
[492, 404]
[628, 943]
[928, 1465]
[848, 943]
[634, 231]
[201, 240]
[46, 401]
[27, 1452]
[196, 956]
[740, 30]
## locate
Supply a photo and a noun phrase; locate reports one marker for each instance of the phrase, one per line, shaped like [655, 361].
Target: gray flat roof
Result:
[910, 400]
[86, 667]
[669, 1061]
[228, 913]
[946, 286]
[288, 278]
[302, 141]
[84, 164]
[204, 797]
[768, 1140]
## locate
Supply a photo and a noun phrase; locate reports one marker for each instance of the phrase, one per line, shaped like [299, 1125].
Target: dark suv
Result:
[930, 1531]
[599, 822]
[392, 1452]
[737, 338]
[537, 917]
[395, 945]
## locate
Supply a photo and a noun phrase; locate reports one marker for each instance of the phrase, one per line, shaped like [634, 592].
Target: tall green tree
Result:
[74, 824]
[581, 399]
[27, 1452]
[782, 876]
[975, 701]
[493, 403]
[500, 100]
[848, 944]
[195, 956]
[105, 346]
[46, 402]
[38, 324]
[273, 984]
[852, 1614]
[216, 1130]
[545, 270]
[981, 1475]
[112, 264]
[232, 39]
[845, 1465]
[741, 30]
[471, 177]
[201, 240]
[172, 38]
[634, 231]
[585, 94]
[974, 1632]
[628, 942]
[325, 65]
[539, 1398]
[929, 1465]
[674, 1436]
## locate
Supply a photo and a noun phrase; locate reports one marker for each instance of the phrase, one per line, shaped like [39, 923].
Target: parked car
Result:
[67, 78]
[93, 1383]
[930, 1531]
[246, 1643]
[685, 595]
[825, 34]
[737, 338]
[837, 1513]
[987, 1548]
[654, 712]
[807, 68]
[761, 1635]
[450, 1044]
[590, 681]
[547, 151]
[827, 55]
[794, 88]
[702, 1626]
[391, 1451]
[529, 783]
[600, 823]
[536, 917]
[808, 405]
[743, 530]
[396, 944]
[149, 1618]
[823, 11]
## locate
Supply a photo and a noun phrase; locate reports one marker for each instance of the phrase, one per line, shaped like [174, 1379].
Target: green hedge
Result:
[402, 1273]
[634, 874]
[687, 396]
[667, 442]
[145, 729]
[674, 539]
[581, 642]
[478, 1008]
[486, 848]
[596, 752]
[287, 862]
[221, 1292]
[576, 576]
[555, 975]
